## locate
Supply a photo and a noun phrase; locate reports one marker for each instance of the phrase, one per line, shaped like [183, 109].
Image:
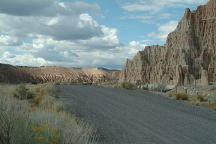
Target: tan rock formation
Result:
[188, 56]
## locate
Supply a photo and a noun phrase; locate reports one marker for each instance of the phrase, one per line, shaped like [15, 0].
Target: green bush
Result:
[23, 93]
[128, 86]
[181, 96]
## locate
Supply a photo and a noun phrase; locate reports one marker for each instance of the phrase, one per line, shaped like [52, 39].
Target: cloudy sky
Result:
[84, 33]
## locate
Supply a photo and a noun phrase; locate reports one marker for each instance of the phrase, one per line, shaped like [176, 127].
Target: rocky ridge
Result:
[188, 57]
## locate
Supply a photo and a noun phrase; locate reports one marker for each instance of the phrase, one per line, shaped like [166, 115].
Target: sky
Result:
[84, 33]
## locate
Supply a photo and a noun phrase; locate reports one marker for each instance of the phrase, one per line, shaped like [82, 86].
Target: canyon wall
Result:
[188, 56]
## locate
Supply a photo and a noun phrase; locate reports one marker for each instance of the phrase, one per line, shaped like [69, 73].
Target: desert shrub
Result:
[39, 94]
[145, 88]
[212, 101]
[57, 83]
[181, 96]
[201, 98]
[212, 98]
[44, 123]
[15, 126]
[171, 94]
[45, 99]
[52, 90]
[129, 86]
[46, 134]
[212, 106]
[50, 103]
[22, 93]
[34, 82]
[160, 88]
[116, 85]
[70, 131]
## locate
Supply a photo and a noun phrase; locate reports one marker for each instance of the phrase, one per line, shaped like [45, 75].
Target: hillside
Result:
[17, 74]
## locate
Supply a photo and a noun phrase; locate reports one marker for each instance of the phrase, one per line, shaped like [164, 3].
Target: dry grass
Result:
[213, 106]
[181, 96]
[41, 120]
[201, 98]
[212, 101]
[128, 86]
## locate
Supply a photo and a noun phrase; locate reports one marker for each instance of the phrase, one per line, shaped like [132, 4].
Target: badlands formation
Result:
[188, 57]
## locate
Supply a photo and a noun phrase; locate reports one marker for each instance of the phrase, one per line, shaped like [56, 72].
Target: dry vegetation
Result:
[125, 85]
[198, 99]
[33, 115]
[212, 101]
[181, 96]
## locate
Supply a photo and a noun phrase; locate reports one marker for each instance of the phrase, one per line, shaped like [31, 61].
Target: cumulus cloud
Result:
[164, 30]
[6, 40]
[44, 50]
[156, 6]
[22, 59]
[152, 11]
[50, 32]
[45, 7]
[60, 27]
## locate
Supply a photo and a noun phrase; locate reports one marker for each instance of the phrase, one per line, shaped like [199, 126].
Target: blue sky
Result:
[84, 33]
[131, 26]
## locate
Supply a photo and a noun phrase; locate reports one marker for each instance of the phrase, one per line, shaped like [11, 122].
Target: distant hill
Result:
[20, 74]
[108, 70]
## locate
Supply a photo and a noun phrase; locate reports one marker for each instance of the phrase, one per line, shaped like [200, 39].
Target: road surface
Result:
[137, 117]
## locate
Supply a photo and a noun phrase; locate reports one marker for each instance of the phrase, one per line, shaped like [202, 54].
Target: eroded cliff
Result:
[187, 57]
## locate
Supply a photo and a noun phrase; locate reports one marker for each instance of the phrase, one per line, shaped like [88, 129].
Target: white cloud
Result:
[49, 8]
[148, 18]
[6, 40]
[86, 20]
[135, 46]
[52, 21]
[55, 33]
[152, 11]
[140, 7]
[59, 27]
[156, 6]
[47, 51]
[24, 59]
[164, 30]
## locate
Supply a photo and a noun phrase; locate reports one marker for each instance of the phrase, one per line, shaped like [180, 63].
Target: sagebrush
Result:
[40, 119]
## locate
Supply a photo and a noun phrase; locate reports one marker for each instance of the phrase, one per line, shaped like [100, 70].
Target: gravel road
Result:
[137, 117]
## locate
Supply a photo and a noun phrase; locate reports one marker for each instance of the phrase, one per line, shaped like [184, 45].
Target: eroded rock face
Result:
[12, 74]
[188, 55]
